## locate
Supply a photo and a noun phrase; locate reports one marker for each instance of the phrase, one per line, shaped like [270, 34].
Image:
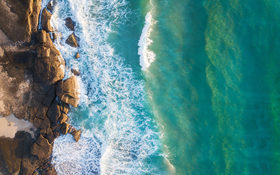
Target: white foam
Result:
[117, 135]
[147, 57]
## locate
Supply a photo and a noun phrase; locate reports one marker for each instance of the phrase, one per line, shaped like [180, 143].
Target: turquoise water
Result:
[173, 87]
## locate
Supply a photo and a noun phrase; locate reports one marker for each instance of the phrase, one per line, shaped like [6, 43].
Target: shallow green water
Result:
[214, 85]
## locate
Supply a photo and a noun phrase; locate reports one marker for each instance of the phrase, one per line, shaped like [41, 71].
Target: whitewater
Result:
[147, 56]
[118, 136]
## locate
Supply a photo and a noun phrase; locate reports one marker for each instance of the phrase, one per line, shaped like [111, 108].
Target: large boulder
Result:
[69, 91]
[41, 148]
[49, 65]
[46, 20]
[70, 24]
[72, 40]
[76, 134]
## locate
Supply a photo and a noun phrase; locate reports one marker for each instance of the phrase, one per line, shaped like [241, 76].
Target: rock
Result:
[46, 23]
[63, 118]
[76, 134]
[54, 113]
[51, 5]
[12, 151]
[69, 91]
[48, 133]
[64, 128]
[75, 72]
[54, 36]
[45, 124]
[49, 65]
[19, 19]
[70, 24]
[77, 55]
[41, 148]
[27, 166]
[43, 37]
[72, 40]
[64, 108]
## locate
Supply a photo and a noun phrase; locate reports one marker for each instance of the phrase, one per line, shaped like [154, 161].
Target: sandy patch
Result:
[10, 125]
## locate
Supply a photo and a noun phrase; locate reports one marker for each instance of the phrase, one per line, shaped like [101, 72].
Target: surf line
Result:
[147, 56]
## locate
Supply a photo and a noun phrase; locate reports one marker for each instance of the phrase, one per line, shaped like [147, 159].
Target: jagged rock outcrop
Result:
[46, 20]
[76, 134]
[41, 148]
[19, 18]
[49, 65]
[72, 40]
[69, 91]
[47, 102]
[70, 24]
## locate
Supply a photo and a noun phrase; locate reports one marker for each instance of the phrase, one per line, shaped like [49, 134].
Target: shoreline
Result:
[35, 59]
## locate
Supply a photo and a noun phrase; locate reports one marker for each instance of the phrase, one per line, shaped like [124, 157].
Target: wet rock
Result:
[51, 5]
[64, 128]
[77, 55]
[69, 91]
[46, 20]
[64, 108]
[70, 24]
[76, 134]
[63, 118]
[75, 72]
[54, 36]
[72, 40]
[41, 148]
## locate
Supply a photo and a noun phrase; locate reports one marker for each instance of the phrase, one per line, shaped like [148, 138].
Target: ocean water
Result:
[172, 87]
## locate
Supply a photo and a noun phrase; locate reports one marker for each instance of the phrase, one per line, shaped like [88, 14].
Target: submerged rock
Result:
[77, 55]
[72, 40]
[70, 24]
[51, 5]
[69, 91]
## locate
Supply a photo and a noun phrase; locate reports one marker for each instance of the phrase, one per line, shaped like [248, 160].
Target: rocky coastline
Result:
[27, 54]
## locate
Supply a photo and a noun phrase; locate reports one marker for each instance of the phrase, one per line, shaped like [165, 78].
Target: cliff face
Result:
[31, 72]
[20, 18]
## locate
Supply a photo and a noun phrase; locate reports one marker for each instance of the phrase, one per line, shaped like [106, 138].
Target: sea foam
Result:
[147, 56]
[118, 135]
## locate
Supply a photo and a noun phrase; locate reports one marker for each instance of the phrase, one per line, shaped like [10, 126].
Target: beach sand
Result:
[10, 125]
